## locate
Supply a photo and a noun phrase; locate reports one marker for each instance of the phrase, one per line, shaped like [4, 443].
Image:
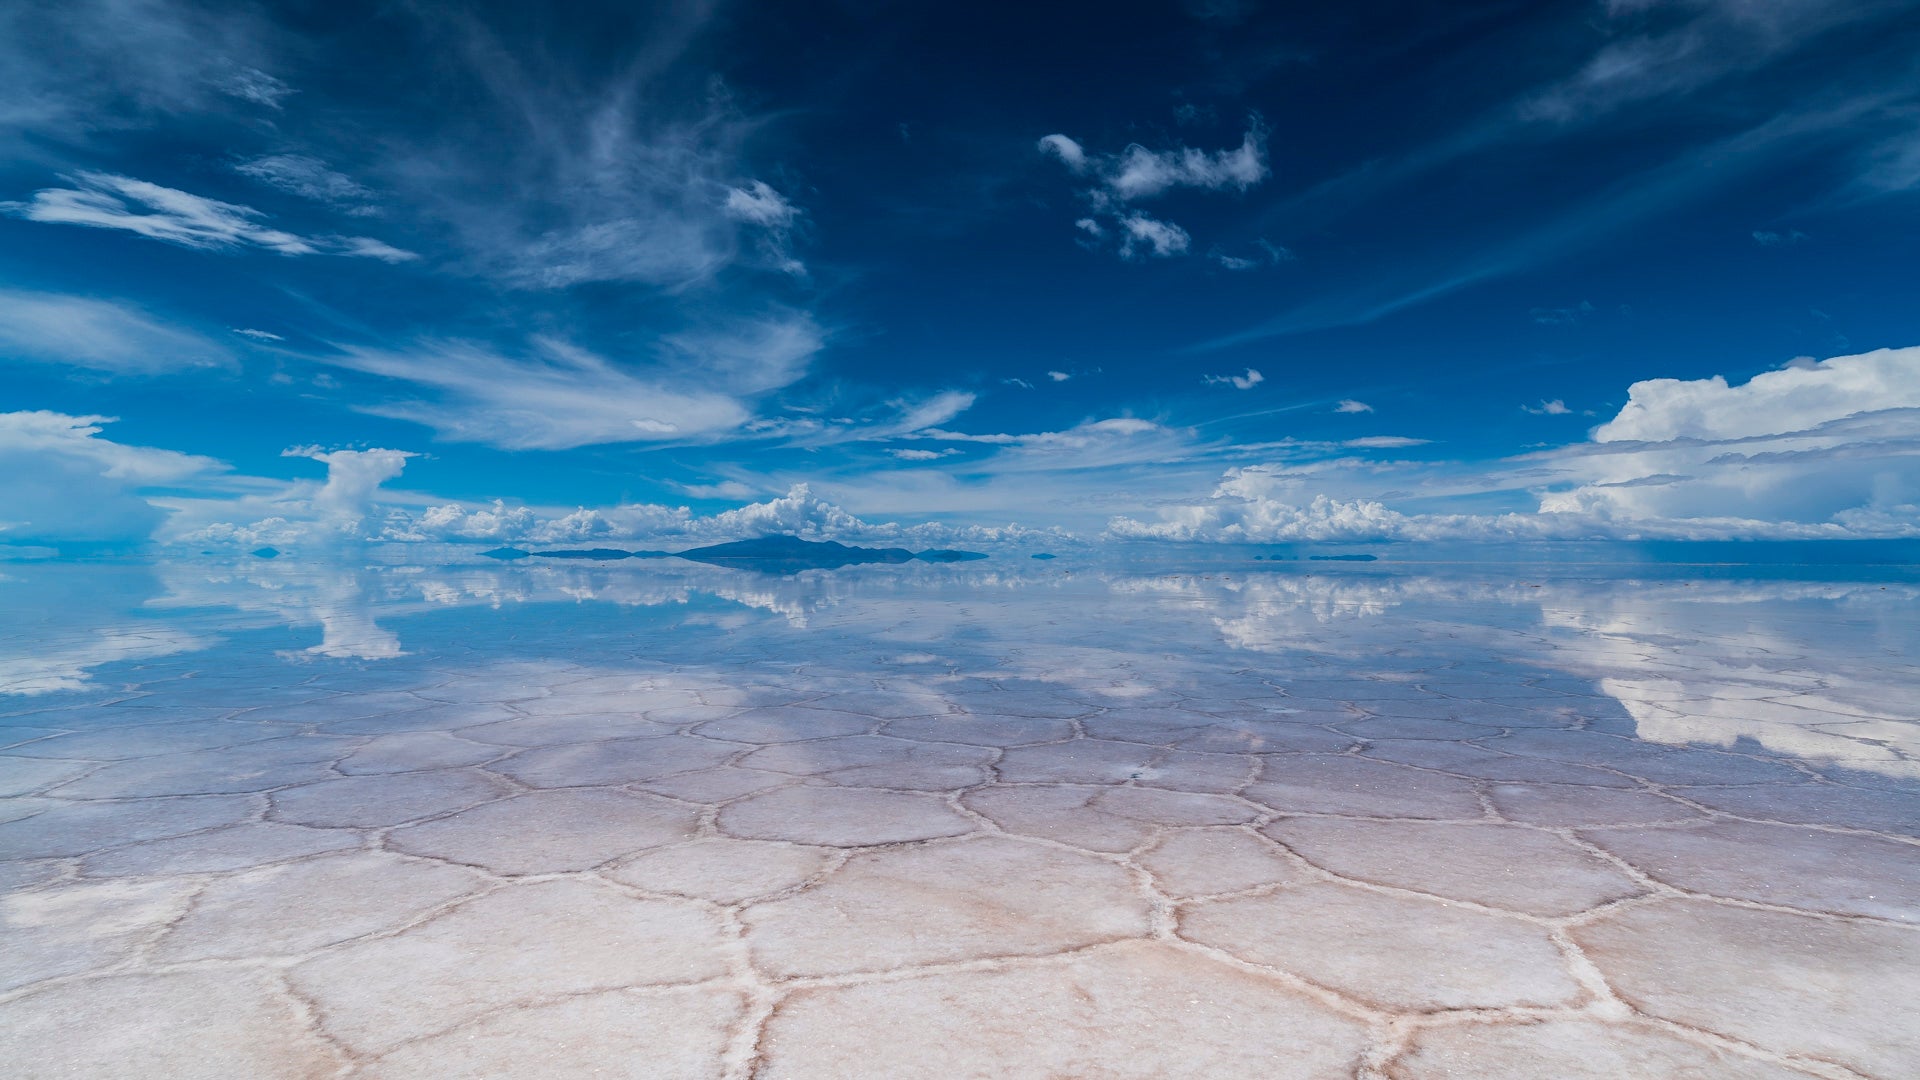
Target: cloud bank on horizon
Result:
[646, 275]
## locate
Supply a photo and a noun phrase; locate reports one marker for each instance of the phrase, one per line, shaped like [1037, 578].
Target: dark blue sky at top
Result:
[1465, 215]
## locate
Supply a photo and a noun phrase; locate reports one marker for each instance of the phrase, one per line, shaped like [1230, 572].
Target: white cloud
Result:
[760, 205]
[1070, 153]
[72, 70]
[100, 335]
[560, 398]
[1348, 405]
[252, 84]
[107, 201]
[1722, 38]
[346, 506]
[353, 476]
[1058, 376]
[60, 482]
[1383, 442]
[922, 455]
[257, 335]
[1145, 235]
[1239, 382]
[1270, 254]
[750, 356]
[1137, 173]
[617, 178]
[369, 248]
[309, 178]
[932, 412]
[1795, 398]
[1828, 449]
[1556, 407]
[1768, 238]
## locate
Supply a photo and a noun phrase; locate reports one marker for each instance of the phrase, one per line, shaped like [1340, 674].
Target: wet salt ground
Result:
[382, 821]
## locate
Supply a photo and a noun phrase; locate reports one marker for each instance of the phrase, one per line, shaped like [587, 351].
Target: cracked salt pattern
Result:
[956, 822]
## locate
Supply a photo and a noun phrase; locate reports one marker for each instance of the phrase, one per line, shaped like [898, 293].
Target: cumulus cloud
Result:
[1136, 174]
[60, 482]
[1070, 153]
[100, 335]
[1827, 449]
[1239, 382]
[1348, 405]
[108, 201]
[1143, 235]
[1058, 376]
[353, 476]
[1556, 407]
[1795, 398]
[800, 512]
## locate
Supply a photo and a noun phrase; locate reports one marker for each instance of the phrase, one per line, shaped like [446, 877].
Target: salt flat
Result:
[298, 820]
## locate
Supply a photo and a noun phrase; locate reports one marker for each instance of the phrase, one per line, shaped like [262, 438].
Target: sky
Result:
[303, 274]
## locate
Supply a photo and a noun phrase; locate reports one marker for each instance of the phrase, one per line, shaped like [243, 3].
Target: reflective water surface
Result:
[285, 818]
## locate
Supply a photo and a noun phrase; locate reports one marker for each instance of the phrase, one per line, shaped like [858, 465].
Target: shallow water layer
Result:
[292, 819]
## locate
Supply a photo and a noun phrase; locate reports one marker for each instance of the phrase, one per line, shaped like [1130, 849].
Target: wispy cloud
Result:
[1556, 407]
[559, 397]
[107, 201]
[101, 335]
[309, 178]
[1681, 179]
[1348, 405]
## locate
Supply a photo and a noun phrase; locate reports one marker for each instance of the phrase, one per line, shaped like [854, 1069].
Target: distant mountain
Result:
[1344, 558]
[949, 555]
[506, 553]
[1043, 555]
[786, 554]
[602, 554]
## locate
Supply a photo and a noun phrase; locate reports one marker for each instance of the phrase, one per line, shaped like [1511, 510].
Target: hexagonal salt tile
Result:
[550, 831]
[1395, 951]
[527, 944]
[962, 900]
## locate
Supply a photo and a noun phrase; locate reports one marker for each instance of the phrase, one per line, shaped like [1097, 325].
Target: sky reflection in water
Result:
[1780, 661]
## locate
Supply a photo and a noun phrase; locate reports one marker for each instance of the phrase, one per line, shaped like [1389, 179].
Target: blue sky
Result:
[1214, 270]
